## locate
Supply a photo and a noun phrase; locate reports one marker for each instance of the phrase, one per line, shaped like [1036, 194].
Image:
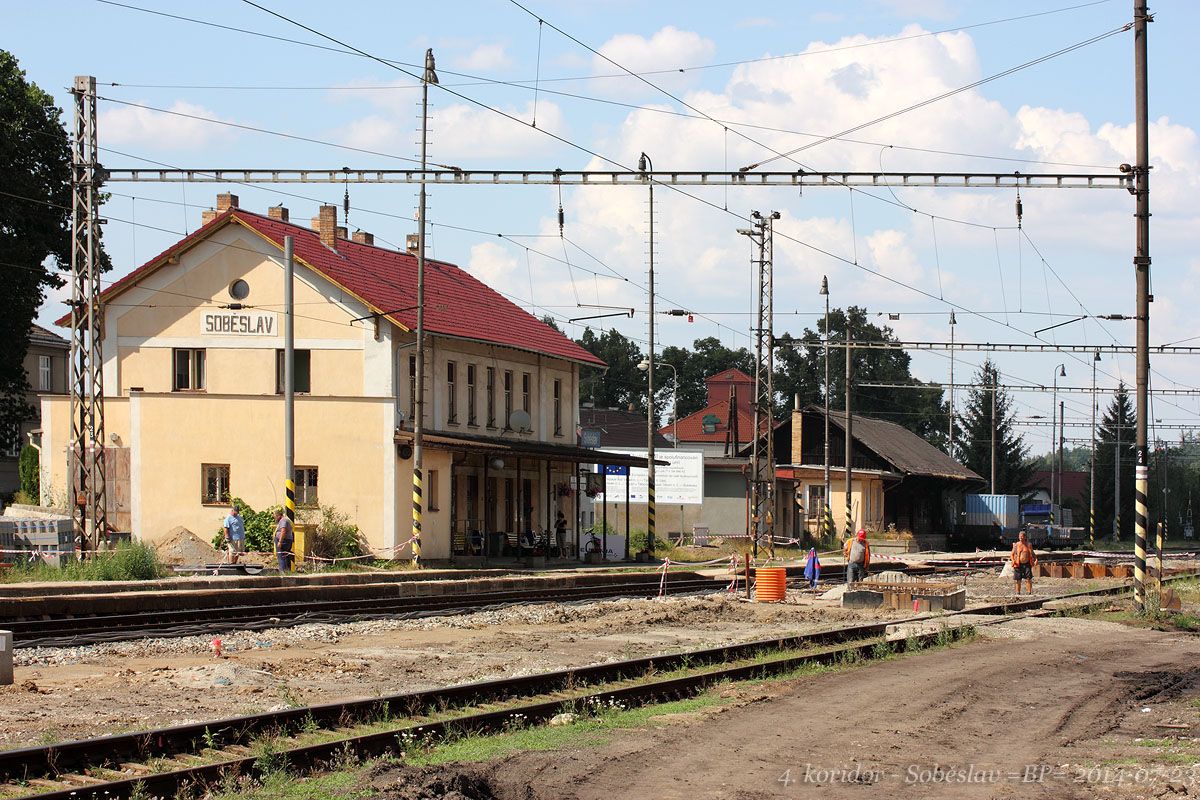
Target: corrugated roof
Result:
[900, 447]
[456, 303]
[43, 336]
[620, 428]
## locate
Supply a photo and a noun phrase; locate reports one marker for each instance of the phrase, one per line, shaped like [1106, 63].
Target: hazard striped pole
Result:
[1141, 263]
[289, 384]
[429, 76]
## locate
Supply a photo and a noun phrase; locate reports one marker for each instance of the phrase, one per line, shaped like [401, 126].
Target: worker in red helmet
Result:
[858, 557]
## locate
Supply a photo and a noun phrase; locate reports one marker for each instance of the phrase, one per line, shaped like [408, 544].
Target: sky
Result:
[719, 86]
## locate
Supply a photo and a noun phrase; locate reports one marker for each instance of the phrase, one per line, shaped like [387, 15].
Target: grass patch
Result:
[586, 732]
[133, 561]
[339, 785]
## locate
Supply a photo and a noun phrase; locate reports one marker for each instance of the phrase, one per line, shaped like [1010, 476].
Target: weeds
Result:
[128, 562]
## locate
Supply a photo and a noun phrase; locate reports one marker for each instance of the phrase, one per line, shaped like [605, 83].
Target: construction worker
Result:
[1024, 559]
[858, 557]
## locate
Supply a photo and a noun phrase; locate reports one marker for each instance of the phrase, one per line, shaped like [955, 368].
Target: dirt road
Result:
[1039, 711]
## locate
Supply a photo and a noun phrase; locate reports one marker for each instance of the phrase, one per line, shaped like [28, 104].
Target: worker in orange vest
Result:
[857, 555]
[1024, 559]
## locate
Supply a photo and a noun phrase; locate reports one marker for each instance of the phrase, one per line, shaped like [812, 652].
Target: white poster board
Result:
[679, 483]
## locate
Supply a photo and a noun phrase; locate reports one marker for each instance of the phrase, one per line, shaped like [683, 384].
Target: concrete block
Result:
[6, 658]
[861, 598]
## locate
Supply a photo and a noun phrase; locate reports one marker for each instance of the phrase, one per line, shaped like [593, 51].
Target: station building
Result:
[192, 360]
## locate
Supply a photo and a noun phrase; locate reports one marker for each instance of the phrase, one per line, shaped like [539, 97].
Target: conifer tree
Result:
[1014, 471]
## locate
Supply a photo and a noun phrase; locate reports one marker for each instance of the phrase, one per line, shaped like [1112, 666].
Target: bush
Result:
[260, 527]
[30, 473]
[333, 535]
[637, 543]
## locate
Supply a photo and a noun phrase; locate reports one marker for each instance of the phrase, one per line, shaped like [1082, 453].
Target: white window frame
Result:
[221, 497]
[45, 374]
[197, 369]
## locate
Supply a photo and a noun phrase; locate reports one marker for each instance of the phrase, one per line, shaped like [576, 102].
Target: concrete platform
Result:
[215, 593]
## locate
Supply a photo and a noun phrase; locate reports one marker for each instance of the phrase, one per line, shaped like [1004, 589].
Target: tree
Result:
[1014, 470]
[30, 474]
[800, 370]
[706, 358]
[623, 384]
[35, 213]
[1117, 421]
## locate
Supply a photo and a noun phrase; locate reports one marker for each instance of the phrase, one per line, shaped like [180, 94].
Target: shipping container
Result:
[994, 509]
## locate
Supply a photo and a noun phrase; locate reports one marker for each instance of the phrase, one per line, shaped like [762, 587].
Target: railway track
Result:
[91, 629]
[168, 761]
[72, 631]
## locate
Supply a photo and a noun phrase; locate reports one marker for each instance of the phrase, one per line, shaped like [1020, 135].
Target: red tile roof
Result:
[456, 303]
[691, 427]
[731, 375]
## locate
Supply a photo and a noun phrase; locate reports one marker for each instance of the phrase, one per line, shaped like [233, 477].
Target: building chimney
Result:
[341, 232]
[327, 226]
[226, 201]
[207, 216]
[278, 212]
[316, 223]
[362, 237]
[412, 244]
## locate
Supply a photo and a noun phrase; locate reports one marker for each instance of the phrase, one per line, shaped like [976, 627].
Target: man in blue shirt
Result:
[235, 534]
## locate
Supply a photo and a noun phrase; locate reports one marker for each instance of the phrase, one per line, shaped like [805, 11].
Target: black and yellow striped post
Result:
[1140, 487]
[829, 522]
[849, 516]
[416, 516]
[649, 512]
[289, 511]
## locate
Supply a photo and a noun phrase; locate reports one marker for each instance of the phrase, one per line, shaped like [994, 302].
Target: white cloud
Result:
[131, 125]
[492, 264]
[668, 49]
[486, 58]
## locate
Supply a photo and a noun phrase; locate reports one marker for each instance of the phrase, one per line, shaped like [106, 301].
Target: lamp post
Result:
[953, 322]
[428, 77]
[1092, 461]
[644, 164]
[1060, 370]
[826, 511]
[645, 366]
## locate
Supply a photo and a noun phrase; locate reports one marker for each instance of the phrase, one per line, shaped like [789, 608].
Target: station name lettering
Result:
[238, 324]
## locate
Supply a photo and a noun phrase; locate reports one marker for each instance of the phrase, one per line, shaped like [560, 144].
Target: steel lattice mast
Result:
[86, 452]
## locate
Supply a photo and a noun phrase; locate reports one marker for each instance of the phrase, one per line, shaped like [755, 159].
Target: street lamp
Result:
[646, 164]
[1060, 371]
[644, 366]
[826, 512]
[953, 322]
[1092, 464]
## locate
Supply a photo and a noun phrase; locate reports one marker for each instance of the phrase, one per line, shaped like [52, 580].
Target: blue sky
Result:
[859, 61]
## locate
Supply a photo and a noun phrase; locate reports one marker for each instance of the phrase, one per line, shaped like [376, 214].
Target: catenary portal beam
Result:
[455, 177]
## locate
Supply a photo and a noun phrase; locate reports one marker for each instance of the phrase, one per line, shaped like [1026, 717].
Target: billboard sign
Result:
[679, 483]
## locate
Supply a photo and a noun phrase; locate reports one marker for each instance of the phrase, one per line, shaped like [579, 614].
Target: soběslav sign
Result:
[239, 323]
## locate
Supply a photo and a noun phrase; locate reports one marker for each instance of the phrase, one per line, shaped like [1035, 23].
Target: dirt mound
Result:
[184, 547]
[448, 782]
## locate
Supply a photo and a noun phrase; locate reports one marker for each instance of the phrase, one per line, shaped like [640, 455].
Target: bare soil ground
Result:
[1063, 709]
[72, 693]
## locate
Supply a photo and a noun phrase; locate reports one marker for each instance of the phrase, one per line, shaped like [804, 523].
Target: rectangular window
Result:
[302, 371]
[508, 397]
[472, 420]
[431, 490]
[491, 397]
[306, 486]
[816, 502]
[558, 407]
[526, 382]
[412, 389]
[451, 393]
[214, 484]
[45, 374]
[189, 370]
